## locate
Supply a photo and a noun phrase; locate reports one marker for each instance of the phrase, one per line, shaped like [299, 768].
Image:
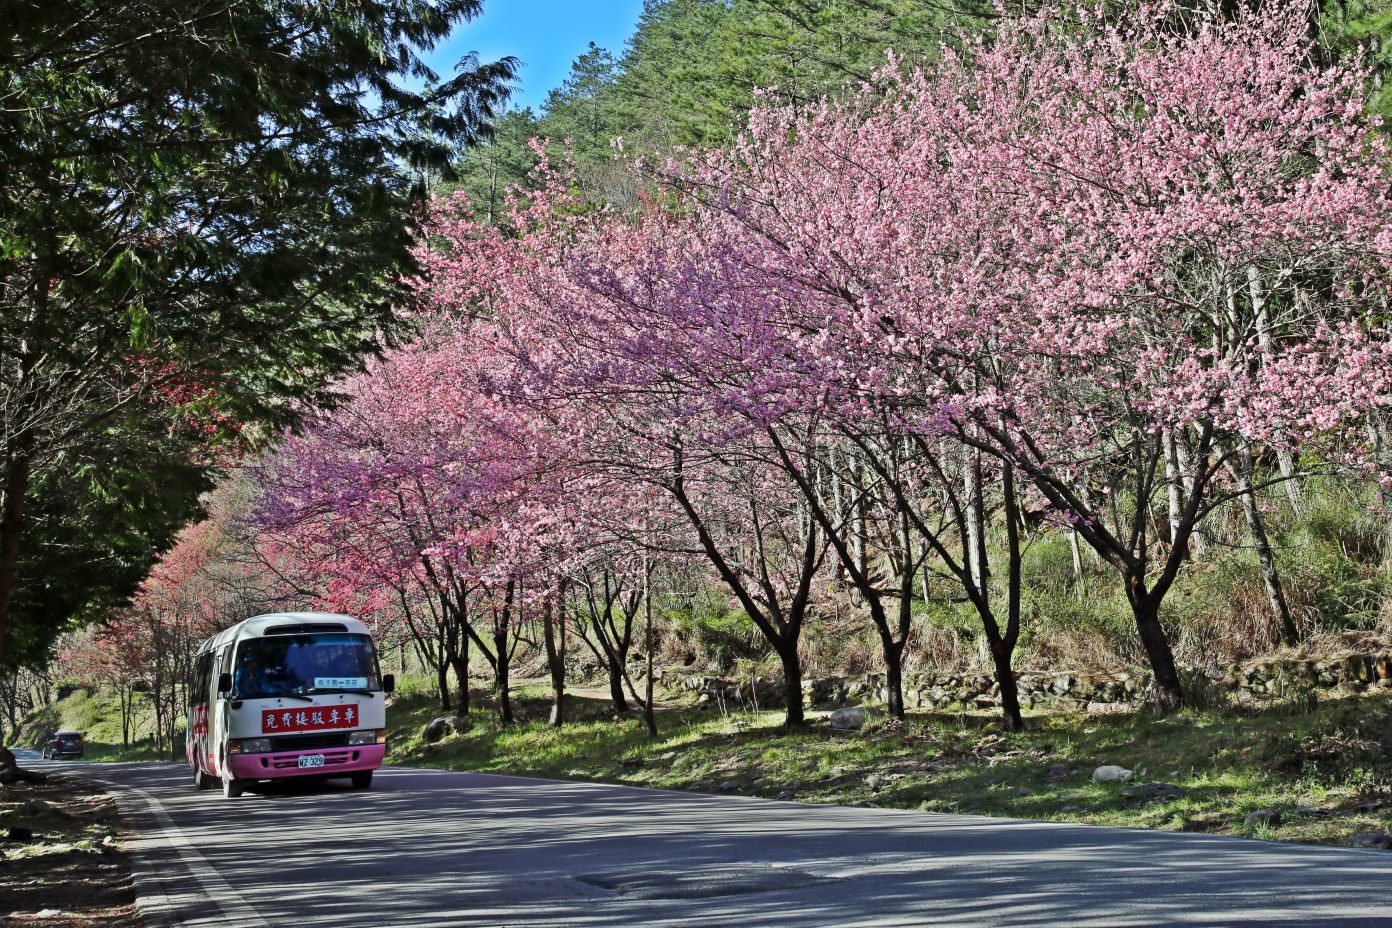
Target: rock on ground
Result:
[1109, 708]
[1111, 773]
[850, 718]
[438, 730]
[1269, 817]
[1371, 839]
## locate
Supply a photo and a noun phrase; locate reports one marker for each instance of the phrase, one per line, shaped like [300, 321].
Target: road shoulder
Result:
[67, 860]
[175, 885]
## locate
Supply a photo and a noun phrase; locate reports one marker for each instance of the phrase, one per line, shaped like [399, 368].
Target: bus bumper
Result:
[338, 762]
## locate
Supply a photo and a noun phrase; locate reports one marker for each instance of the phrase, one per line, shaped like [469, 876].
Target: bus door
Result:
[200, 695]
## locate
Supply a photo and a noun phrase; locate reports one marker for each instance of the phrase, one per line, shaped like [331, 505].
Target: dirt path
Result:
[595, 690]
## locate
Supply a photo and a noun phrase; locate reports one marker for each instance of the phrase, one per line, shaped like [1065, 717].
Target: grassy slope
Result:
[1229, 763]
[98, 716]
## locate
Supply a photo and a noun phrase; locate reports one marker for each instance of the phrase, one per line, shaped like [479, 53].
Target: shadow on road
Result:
[431, 848]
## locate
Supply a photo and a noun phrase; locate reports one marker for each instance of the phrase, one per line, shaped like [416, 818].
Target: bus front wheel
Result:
[231, 786]
[362, 780]
[201, 780]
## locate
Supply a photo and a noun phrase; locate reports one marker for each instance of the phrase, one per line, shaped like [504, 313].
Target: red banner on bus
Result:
[319, 718]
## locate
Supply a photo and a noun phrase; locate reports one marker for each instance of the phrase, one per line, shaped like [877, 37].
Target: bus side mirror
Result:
[389, 683]
[224, 683]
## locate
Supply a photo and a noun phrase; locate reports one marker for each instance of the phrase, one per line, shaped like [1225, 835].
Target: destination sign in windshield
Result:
[340, 683]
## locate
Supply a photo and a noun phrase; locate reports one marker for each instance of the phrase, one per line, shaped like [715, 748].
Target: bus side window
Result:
[198, 692]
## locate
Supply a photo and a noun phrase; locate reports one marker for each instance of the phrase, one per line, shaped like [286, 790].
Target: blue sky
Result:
[546, 34]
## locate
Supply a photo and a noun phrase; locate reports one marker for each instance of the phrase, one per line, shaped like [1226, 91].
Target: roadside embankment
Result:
[1313, 771]
[63, 861]
[1304, 764]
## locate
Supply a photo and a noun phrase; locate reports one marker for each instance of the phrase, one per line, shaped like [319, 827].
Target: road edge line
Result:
[158, 905]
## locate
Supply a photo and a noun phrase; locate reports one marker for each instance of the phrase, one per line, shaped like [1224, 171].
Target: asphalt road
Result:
[430, 848]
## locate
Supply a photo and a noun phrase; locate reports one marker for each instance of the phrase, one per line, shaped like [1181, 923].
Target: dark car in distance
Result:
[64, 744]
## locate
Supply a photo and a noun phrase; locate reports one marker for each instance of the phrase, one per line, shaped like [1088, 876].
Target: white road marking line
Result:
[235, 909]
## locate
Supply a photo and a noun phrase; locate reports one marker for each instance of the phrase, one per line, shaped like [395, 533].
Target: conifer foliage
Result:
[207, 211]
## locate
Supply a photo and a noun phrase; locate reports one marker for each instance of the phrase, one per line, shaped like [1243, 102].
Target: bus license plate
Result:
[311, 760]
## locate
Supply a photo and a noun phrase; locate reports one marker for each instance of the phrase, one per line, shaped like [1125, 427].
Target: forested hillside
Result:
[689, 74]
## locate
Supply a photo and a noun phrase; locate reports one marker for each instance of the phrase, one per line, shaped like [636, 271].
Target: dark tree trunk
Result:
[616, 689]
[1271, 576]
[1169, 691]
[1003, 646]
[1009, 689]
[649, 710]
[792, 685]
[442, 683]
[156, 697]
[894, 673]
[500, 643]
[460, 666]
[891, 647]
[459, 651]
[555, 662]
[461, 670]
[11, 527]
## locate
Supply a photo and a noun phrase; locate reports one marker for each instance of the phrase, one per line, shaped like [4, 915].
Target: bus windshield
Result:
[300, 664]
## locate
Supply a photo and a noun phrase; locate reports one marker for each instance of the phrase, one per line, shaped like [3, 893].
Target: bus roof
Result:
[286, 623]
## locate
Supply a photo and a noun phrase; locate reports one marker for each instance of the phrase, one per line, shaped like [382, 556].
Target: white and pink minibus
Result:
[287, 695]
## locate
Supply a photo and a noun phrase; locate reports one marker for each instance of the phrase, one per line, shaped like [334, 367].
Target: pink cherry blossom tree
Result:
[1085, 249]
[425, 488]
[1088, 267]
[625, 421]
[1192, 235]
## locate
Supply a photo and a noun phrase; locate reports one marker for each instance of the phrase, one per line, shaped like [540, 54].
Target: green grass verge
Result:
[97, 715]
[1323, 768]
[1316, 768]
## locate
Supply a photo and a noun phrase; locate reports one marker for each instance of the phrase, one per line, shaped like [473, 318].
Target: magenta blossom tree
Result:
[426, 487]
[1084, 268]
[1109, 256]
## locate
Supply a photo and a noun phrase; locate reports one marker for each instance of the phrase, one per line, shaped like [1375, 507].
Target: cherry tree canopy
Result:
[1081, 248]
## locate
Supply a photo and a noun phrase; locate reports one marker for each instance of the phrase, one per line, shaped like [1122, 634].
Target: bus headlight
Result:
[252, 746]
[374, 736]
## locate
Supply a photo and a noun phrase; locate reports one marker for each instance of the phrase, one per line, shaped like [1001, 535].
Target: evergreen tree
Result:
[206, 209]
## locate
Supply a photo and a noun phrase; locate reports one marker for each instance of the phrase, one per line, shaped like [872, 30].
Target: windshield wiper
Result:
[351, 692]
[280, 696]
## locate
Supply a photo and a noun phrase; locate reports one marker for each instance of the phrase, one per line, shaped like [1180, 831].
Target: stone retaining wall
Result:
[1268, 678]
[766, 692]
